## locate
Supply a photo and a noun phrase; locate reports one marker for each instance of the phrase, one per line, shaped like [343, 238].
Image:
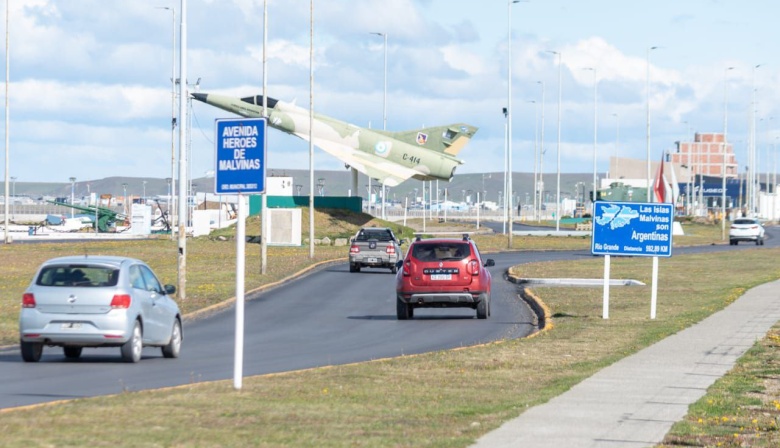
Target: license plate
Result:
[71, 326]
[441, 277]
[371, 260]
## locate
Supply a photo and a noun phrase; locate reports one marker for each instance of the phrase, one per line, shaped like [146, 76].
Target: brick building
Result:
[705, 154]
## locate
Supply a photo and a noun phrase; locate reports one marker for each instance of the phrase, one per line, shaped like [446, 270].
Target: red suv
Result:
[442, 273]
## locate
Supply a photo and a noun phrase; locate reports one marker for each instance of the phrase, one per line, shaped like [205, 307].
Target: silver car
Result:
[98, 301]
[746, 229]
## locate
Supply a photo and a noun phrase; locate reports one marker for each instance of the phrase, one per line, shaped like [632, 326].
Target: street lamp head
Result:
[378, 34]
[72, 179]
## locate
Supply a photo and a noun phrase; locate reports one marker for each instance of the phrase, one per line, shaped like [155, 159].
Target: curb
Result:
[537, 305]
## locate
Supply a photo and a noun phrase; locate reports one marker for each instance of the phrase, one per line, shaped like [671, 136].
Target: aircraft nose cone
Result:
[200, 96]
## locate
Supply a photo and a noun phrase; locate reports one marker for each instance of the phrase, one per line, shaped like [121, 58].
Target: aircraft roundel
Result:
[382, 149]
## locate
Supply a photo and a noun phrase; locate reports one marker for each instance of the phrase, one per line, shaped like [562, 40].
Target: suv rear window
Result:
[441, 251]
[379, 235]
[745, 221]
[77, 275]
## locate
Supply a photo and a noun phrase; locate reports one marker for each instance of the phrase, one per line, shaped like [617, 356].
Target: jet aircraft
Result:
[390, 157]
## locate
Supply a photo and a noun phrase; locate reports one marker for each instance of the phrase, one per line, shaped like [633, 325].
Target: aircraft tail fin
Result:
[450, 139]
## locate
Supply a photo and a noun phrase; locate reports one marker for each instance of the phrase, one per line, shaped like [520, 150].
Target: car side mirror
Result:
[399, 264]
[169, 289]
[402, 241]
[489, 262]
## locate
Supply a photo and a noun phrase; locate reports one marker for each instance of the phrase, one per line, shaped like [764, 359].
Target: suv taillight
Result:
[121, 301]
[354, 249]
[473, 267]
[407, 271]
[28, 300]
[390, 249]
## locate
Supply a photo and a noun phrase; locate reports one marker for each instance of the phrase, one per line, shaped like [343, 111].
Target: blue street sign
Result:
[632, 228]
[240, 155]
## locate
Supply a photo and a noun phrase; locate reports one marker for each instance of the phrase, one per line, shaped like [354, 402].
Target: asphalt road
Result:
[328, 317]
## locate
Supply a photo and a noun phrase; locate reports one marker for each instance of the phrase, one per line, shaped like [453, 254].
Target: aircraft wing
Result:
[375, 167]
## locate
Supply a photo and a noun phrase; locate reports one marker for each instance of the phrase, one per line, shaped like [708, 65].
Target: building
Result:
[704, 156]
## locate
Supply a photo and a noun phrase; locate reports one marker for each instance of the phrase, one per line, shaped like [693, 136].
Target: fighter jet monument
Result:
[389, 157]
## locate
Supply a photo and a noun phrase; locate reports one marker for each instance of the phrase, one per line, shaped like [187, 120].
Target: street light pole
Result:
[649, 187]
[536, 150]
[7, 237]
[124, 197]
[541, 157]
[72, 187]
[509, 119]
[13, 196]
[384, 110]
[723, 162]
[558, 180]
[595, 128]
[751, 177]
[181, 272]
[171, 200]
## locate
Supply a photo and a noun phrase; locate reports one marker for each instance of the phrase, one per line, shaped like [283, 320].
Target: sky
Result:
[90, 80]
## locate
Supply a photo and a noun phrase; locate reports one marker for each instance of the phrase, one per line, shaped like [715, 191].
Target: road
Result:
[328, 317]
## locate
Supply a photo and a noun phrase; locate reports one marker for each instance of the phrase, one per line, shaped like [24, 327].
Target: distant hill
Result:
[334, 182]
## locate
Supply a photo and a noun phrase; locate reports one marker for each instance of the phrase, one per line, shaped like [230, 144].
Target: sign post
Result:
[632, 229]
[240, 169]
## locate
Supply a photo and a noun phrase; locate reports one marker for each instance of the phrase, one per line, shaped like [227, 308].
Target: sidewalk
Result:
[635, 401]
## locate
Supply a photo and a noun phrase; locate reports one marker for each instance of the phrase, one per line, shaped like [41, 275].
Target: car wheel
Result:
[354, 267]
[72, 352]
[31, 351]
[483, 306]
[131, 350]
[736, 242]
[172, 349]
[758, 241]
[394, 269]
[404, 310]
[762, 241]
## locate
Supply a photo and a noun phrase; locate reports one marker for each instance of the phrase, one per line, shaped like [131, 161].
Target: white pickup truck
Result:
[374, 247]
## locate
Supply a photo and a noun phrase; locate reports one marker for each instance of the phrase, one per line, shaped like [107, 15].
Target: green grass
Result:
[740, 409]
[440, 399]
[404, 401]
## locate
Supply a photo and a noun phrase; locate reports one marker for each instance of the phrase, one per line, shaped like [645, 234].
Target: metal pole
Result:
[264, 233]
[541, 156]
[311, 127]
[183, 95]
[723, 162]
[238, 357]
[7, 237]
[72, 187]
[509, 120]
[172, 189]
[558, 180]
[648, 123]
[595, 128]
[536, 152]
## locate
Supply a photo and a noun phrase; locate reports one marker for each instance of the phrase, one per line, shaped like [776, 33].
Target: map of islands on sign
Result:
[617, 216]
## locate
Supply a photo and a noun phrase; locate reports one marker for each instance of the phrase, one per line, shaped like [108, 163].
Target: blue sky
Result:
[90, 79]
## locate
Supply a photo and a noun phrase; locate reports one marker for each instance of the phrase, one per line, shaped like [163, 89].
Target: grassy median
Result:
[442, 399]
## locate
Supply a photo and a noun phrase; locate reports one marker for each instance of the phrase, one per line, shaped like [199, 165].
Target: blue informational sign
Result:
[632, 228]
[240, 155]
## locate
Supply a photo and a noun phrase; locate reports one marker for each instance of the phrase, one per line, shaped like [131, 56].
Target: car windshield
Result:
[379, 235]
[77, 275]
[441, 251]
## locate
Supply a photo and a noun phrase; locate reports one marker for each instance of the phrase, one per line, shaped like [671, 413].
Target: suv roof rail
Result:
[463, 234]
